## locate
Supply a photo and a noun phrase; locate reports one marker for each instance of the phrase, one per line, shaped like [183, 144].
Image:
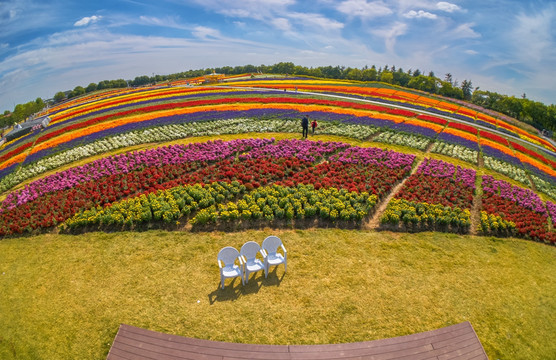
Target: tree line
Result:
[531, 112]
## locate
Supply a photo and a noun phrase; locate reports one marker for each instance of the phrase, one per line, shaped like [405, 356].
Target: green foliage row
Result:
[425, 215]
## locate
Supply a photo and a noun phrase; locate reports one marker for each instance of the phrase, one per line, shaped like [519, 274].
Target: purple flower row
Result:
[375, 156]
[414, 130]
[457, 140]
[436, 168]
[497, 154]
[551, 207]
[304, 150]
[523, 197]
[538, 172]
[466, 176]
[441, 169]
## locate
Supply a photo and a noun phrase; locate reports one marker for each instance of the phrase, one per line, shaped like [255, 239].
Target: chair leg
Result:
[222, 281]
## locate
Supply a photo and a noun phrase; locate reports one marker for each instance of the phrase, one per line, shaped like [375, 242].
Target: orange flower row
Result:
[437, 128]
[462, 134]
[506, 150]
[526, 159]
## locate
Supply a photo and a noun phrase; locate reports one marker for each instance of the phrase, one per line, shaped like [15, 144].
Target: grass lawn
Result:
[63, 296]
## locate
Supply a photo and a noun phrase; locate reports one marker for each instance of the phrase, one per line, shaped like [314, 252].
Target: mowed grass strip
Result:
[63, 296]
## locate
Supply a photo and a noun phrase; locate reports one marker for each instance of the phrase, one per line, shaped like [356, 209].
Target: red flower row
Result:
[432, 119]
[494, 137]
[533, 154]
[463, 127]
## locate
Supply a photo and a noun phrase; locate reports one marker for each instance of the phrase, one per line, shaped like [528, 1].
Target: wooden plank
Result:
[459, 342]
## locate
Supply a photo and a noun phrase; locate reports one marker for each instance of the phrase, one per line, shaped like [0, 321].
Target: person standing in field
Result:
[314, 126]
[305, 126]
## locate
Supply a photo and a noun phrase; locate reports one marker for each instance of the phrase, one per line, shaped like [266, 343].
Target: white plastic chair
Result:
[271, 256]
[226, 262]
[251, 264]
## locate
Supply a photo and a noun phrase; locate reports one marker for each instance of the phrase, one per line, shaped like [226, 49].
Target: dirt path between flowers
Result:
[477, 201]
[374, 222]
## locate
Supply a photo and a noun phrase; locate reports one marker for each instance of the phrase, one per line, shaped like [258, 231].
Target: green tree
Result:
[446, 89]
[369, 74]
[387, 77]
[466, 87]
[59, 96]
[90, 88]
[422, 82]
[355, 74]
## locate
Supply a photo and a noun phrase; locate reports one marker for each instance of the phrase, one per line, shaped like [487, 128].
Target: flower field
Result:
[436, 197]
[375, 138]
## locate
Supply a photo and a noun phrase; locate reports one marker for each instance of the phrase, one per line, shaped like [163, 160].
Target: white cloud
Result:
[363, 8]
[310, 20]
[448, 7]
[281, 24]
[255, 9]
[239, 24]
[203, 32]
[87, 20]
[465, 31]
[419, 14]
[471, 52]
[168, 22]
[390, 34]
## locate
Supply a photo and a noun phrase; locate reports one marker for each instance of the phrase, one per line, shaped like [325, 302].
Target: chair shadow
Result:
[235, 290]
[273, 279]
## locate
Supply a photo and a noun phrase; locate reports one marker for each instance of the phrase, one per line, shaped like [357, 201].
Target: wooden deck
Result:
[453, 342]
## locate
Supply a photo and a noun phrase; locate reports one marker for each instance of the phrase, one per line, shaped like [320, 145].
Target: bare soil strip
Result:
[374, 222]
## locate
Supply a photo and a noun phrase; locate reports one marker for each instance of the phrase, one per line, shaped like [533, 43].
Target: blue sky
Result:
[507, 46]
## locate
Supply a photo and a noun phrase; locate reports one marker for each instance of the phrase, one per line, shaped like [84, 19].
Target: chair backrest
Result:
[250, 249]
[271, 243]
[228, 255]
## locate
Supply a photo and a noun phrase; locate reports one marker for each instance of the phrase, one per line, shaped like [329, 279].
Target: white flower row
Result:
[544, 186]
[507, 169]
[173, 132]
[455, 151]
[391, 137]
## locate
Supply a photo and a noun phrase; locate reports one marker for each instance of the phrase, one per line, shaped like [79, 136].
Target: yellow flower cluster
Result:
[496, 225]
[431, 216]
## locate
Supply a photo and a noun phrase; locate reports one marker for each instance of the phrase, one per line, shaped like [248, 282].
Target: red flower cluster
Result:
[373, 179]
[529, 223]
[436, 190]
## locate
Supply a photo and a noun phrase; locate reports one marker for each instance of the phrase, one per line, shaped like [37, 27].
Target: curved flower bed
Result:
[251, 162]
